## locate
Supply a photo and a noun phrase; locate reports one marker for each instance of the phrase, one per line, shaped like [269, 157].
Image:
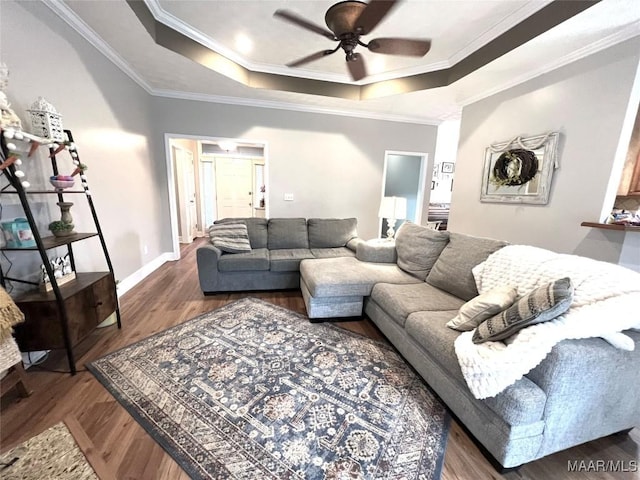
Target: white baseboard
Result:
[136, 277]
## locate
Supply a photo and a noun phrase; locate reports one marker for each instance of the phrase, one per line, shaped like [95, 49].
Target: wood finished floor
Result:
[170, 296]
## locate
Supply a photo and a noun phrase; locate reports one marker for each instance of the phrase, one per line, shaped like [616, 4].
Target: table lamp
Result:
[392, 208]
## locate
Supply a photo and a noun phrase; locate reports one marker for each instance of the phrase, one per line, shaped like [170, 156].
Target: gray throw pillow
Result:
[541, 305]
[484, 306]
[418, 248]
[230, 237]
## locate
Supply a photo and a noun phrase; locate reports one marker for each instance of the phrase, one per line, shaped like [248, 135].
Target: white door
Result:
[186, 186]
[234, 187]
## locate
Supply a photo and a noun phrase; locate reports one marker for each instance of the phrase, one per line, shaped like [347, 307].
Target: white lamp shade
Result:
[393, 207]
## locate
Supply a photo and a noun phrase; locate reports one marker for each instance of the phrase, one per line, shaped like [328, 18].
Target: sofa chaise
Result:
[277, 246]
[583, 389]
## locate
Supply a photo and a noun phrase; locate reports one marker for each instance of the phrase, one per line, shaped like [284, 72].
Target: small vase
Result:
[66, 214]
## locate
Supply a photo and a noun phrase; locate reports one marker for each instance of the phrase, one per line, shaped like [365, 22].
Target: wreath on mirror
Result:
[515, 167]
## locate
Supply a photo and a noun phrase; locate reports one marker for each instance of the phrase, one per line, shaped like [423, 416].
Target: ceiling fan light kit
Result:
[347, 22]
[341, 18]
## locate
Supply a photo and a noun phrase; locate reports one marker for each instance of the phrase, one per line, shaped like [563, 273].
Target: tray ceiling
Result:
[246, 33]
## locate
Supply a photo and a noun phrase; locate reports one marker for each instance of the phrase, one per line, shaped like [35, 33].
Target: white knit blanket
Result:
[606, 301]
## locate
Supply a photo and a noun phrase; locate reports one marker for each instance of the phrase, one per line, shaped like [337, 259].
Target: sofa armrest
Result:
[353, 243]
[207, 258]
[377, 251]
[590, 393]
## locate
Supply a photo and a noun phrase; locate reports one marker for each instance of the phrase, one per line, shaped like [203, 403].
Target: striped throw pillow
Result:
[230, 237]
[541, 305]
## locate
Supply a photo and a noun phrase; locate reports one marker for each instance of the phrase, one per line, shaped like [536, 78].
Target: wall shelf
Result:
[62, 317]
[610, 226]
[53, 242]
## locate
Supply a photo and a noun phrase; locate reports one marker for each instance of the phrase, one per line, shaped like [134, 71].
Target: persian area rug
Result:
[252, 390]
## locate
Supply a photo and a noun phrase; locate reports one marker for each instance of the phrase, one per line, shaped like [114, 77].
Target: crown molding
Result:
[74, 21]
[510, 21]
[90, 35]
[259, 103]
[626, 33]
[514, 18]
[173, 22]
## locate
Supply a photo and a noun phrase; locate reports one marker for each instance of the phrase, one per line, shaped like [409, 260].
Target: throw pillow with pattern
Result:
[541, 305]
[484, 306]
[230, 237]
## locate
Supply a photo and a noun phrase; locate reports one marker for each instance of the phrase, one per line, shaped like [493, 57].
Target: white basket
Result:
[9, 354]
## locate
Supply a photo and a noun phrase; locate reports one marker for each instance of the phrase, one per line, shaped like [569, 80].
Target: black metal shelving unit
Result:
[60, 293]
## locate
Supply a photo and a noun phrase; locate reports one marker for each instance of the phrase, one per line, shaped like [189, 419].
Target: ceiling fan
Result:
[347, 22]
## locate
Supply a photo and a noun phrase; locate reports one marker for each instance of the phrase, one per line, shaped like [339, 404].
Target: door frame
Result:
[170, 186]
[424, 160]
[180, 186]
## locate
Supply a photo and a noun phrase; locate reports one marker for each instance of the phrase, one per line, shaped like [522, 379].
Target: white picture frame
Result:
[520, 170]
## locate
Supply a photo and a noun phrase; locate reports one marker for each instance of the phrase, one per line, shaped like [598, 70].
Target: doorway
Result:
[404, 176]
[210, 178]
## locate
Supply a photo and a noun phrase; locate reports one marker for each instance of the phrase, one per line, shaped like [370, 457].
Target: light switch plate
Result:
[288, 197]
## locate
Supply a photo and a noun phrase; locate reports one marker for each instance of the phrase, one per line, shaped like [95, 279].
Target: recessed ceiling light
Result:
[243, 43]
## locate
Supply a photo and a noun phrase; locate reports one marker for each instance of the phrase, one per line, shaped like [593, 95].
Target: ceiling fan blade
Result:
[357, 68]
[310, 58]
[412, 47]
[304, 23]
[373, 14]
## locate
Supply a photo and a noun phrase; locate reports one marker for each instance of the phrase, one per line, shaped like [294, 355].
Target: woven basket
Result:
[9, 354]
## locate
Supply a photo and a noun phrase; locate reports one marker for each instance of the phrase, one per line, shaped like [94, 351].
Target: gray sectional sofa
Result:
[581, 391]
[584, 389]
[277, 247]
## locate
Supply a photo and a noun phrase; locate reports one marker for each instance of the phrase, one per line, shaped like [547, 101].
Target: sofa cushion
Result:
[230, 237]
[346, 276]
[452, 270]
[255, 260]
[288, 259]
[256, 227]
[520, 404]
[399, 301]
[332, 252]
[484, 306]
[287, 233]
[418, 248]
[331, 232]
[541, 305]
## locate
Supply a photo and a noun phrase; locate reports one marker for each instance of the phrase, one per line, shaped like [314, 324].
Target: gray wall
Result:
[586, 101]
[109, 116]
[333, 165]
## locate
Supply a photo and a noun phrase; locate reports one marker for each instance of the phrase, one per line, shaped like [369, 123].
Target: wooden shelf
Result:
[53, 242]
[67, 290]
[610, 226]
[46, 192]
